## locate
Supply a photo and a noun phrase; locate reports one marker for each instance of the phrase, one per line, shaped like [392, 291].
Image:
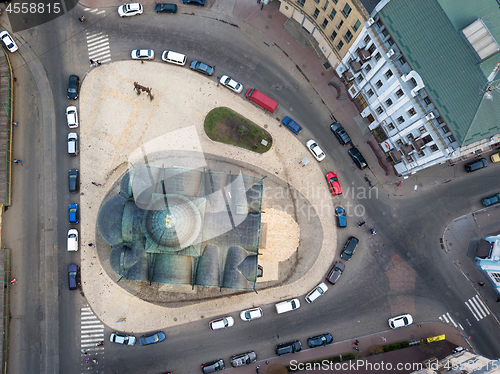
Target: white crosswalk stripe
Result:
[91, 331]
[478, 309]
[98, 47]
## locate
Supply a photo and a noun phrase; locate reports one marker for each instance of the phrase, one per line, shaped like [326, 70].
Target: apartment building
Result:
[424, 74]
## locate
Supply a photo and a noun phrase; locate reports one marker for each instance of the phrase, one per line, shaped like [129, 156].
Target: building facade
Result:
[489, 260]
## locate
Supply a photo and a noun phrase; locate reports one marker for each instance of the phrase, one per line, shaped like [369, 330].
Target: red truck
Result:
[262, 100]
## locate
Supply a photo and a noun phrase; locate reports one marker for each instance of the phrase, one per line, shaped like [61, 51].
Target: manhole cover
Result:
[265, 126]
[270, 16]
[322, 74]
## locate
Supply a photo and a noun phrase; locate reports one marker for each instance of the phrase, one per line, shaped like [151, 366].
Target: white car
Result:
[221, 323]
[231, 84]
[8, 41]
[143, 54]
[72, 240]
[251, 314]
[122, 339]
[315, 150]
[318, 291]
[129, 10]
[400, 321]
[72, 117]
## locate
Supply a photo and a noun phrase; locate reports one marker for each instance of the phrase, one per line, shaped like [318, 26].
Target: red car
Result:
[333, 183]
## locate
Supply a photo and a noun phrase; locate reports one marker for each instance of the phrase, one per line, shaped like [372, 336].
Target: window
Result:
[379, 23]
[372, 48]
[368, 68]
[340, 24]
[367, 38]
[496, 277]
[422, 130]
[385, 32]
[412, 112]
[333, 36]
[391, 127]
[378, 84]
[399, 143]
[388, 73]
[451, 138]
[402, 60]
[412, 80]
[445, 129]
[356, 27]
[316, 13]
[301, 2]
[340, 45]
[434, 148]
[399, 93]
[380, 110]
[388, 102]
[346, 11]
[325, 22]
[390, 41]
[427, 101]
[332, 14]
[410, 137]
[440, 120]
[348, 36]
[360, 78]
[326, 5]
[370, 92]
[400, 119]
[421, 154]
[377, 56]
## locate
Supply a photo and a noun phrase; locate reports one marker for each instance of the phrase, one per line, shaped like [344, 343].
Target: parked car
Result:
[251, 314]
[333, 183]
[200, 67]
[315, 150]
[341, 217]
[492, 200]
[476, 165]
[495, 157]
[73, 214]
[73, 87]
[287, 348]
[231, 84]
[129, 10]
[73, 144]
[221, 323]
[340, 133]
[194, 2]
[142, 54]
[166, 8]
[320, 340]
[292, 125]
[152, 338]
[212, 366]
[287, 306]
[318, 291]
[400, 321]
[349, 248]
[72, 117]
[335, 273]
[9, 42]
[72, 276]
[122, 339]
[264, 101]
[72, 240]
[358, 158]
[74, 182]
[243, 359]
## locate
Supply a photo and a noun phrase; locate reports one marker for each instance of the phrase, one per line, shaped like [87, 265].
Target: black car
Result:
[166, 8]
[73, 180]
[73, 87]
[287, 348]
[195, 2]
[349, 248]
[477, 165]
[72, 276]
[340, 133]
[335, 273]
[320, 340]
[358, 158]
[212, 366]
[200, 67]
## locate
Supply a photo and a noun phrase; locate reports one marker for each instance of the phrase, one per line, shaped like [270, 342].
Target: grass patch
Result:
[226, 126]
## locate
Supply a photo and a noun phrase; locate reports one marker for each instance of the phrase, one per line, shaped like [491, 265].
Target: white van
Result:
[174, 57]
[287, 306]
[72, 240]
[73, 144]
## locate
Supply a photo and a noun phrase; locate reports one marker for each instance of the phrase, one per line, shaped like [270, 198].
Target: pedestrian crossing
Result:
[91, 335]
[449, 320]
[477, 308]
[98, 47]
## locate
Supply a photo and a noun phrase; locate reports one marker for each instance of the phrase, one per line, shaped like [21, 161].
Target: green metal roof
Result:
[429, 34]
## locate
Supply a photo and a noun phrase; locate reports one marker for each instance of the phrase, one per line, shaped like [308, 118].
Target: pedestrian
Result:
[480, 283]
[94, 361]
[87, 361]
[497, 300]
[94, 183]
[258, 1]
[13, 281]
[361, 223]
[20, 162]
[91, 245]
[266, 362]
[14, 123]
[261, 6]
[81, 19]
[98, 63]
[98, 184]
[84, 351]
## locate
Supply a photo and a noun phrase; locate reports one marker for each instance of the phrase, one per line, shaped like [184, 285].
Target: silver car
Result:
[243, 359]
[122, 339]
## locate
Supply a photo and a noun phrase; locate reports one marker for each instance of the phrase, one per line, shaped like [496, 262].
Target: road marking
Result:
[473, 313]
[480, 305]
[451, 319]
[445, 319]
[91, 331]
[98, 47]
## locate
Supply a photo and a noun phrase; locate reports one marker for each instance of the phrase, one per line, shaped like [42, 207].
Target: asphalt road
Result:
[409, 227]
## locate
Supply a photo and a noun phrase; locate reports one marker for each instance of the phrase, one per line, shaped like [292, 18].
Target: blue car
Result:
[194, 2]
[492, 200]
[73, 214]
[200, 67]
[153, 338]
[341, 218]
